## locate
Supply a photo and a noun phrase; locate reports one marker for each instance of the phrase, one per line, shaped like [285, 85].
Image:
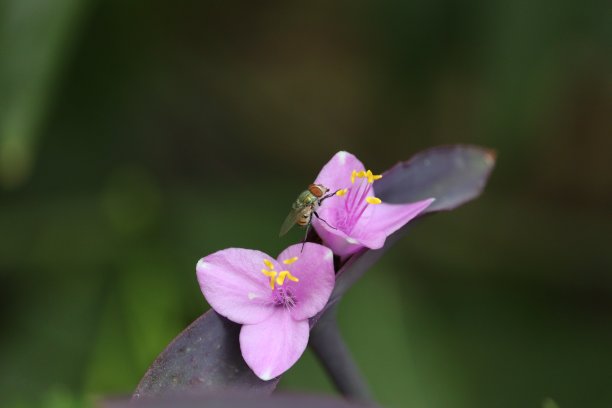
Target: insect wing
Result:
[290, 221]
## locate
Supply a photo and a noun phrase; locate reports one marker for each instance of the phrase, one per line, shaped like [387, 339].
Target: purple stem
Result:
[329, 347]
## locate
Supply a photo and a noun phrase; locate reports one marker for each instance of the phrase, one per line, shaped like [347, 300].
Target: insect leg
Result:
[317, 215]
[325, 197]
[305, 236]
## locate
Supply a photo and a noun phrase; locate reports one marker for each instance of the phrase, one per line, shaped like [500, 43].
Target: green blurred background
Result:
[139, 136]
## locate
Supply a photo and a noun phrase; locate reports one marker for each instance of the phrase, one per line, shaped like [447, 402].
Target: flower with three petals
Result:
[272, 299]
[356, 218]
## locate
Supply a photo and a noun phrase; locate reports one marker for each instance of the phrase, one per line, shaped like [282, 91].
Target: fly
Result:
[304, 207]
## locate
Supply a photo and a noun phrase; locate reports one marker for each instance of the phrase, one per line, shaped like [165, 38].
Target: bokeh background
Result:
[137, 137]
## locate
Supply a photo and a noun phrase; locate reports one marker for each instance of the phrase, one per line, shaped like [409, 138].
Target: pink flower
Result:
[356, 217]
[272, 298]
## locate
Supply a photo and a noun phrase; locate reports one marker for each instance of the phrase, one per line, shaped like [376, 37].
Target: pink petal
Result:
[336, 174]
[232, 283]
[337, 240]
[385, 219]
[315, 271]
[371, 230]
[272, 346]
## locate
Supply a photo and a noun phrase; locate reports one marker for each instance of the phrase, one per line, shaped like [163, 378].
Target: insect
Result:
[304, 207]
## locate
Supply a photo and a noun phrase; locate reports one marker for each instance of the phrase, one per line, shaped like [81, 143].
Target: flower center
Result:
[357, 199]
[284, 297]
[279, 277]
[281, 295]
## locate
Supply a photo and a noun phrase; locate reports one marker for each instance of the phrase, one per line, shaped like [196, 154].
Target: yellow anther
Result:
[365, 174]
[357, 174]
[290, 260]
[373, 200]
[342, 192]
[268, 273]
[271, 275]
[269, 264]
[285, 275]
[372, 177]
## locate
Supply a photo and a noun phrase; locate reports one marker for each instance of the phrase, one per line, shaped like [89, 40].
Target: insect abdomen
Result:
[303, 218]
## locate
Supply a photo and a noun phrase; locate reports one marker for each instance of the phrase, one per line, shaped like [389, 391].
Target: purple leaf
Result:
[453, 175]
[239, 400]
[206, 356]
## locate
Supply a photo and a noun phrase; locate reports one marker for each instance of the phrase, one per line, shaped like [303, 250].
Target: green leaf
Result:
[34, 35]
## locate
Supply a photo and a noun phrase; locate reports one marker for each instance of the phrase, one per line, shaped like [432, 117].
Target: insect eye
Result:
[316, 190]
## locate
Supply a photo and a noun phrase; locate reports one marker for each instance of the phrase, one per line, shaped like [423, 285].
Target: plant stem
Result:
[329, 347]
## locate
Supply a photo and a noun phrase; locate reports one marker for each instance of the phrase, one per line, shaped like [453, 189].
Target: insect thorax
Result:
[306, 198]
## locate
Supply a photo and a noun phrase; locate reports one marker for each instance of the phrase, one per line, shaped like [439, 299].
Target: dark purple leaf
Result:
[453, 175]
[205, 357]
[237, 401]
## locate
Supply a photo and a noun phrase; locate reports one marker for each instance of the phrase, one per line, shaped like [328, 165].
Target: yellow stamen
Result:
[373, 200]
[342, 192]
[268, 273]
[285, 274]
[269, 264]
[372, 177]
[290, 260]
[271, 275]
[364, 174]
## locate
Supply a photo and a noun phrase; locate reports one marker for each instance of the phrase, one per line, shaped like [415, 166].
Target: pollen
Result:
[373, 200]
[279, 277]
[365, 174]
[290, 260]
[372, 177]
[342, 192]
[271, 275]
[285, 275]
